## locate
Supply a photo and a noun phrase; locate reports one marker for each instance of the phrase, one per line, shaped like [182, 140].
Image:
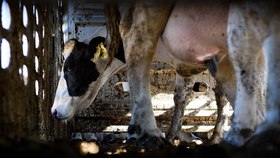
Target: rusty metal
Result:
[24, 107]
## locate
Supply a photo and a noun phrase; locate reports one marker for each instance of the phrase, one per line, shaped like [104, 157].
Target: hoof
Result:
[189, 140]
[152, 142]
[266, 140]
[214, 139]
[264, 144]
[265, 126]
[237, 137]
[131, 142]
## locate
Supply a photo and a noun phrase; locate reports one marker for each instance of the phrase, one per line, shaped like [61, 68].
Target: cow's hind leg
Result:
[182, 97]
[222, 105]
[180, 100]
[222, 115]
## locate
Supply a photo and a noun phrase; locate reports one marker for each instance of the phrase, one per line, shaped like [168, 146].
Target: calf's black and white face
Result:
[79, 74]
[79, 70]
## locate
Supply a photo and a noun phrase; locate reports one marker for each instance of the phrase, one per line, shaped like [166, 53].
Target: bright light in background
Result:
[6, 15]
[113, 128]
[24, 45]
[198, 102]
[5, 45]
[5, 53]
[163, 100]
[36, 64]
[25, 19]
[43, 75]
[43, 31]
[65, 33]
[36, 87]
[23, 71]
[43, 92]
[65, 28]
[89, 148]
[37, 16]
[36, 39]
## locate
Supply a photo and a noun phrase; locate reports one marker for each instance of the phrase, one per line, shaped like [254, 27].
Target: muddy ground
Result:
[266, 145]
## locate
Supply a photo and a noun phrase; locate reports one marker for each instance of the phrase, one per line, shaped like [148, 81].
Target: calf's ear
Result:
[101, 53]
[68, 47]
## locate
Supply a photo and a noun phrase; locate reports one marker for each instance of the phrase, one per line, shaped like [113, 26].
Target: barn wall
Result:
[29, 66]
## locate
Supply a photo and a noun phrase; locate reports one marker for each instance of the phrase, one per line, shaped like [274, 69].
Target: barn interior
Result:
[33, 33]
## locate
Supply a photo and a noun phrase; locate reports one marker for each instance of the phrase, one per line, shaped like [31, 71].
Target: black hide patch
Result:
[94, 43]
[79, 70]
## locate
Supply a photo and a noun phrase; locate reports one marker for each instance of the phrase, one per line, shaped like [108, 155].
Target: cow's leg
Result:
[183, 88]
[222, 104]
[226, 84]
[272, 55]
[244, 50]
[140, 33]
[222, 115]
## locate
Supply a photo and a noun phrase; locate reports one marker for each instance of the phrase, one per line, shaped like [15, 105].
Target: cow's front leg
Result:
[142, 113]
[140, 30]
[244, 50]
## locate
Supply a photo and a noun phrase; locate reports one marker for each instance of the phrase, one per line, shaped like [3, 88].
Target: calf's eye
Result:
[68, 68]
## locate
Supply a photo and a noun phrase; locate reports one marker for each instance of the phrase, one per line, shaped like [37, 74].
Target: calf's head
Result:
[79, 69]
[84, 72]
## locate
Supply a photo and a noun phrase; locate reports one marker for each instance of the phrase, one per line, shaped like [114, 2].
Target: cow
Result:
[254, 33]
[188, 35]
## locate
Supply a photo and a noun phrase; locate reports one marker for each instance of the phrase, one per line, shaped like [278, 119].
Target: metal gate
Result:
[30, 33]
